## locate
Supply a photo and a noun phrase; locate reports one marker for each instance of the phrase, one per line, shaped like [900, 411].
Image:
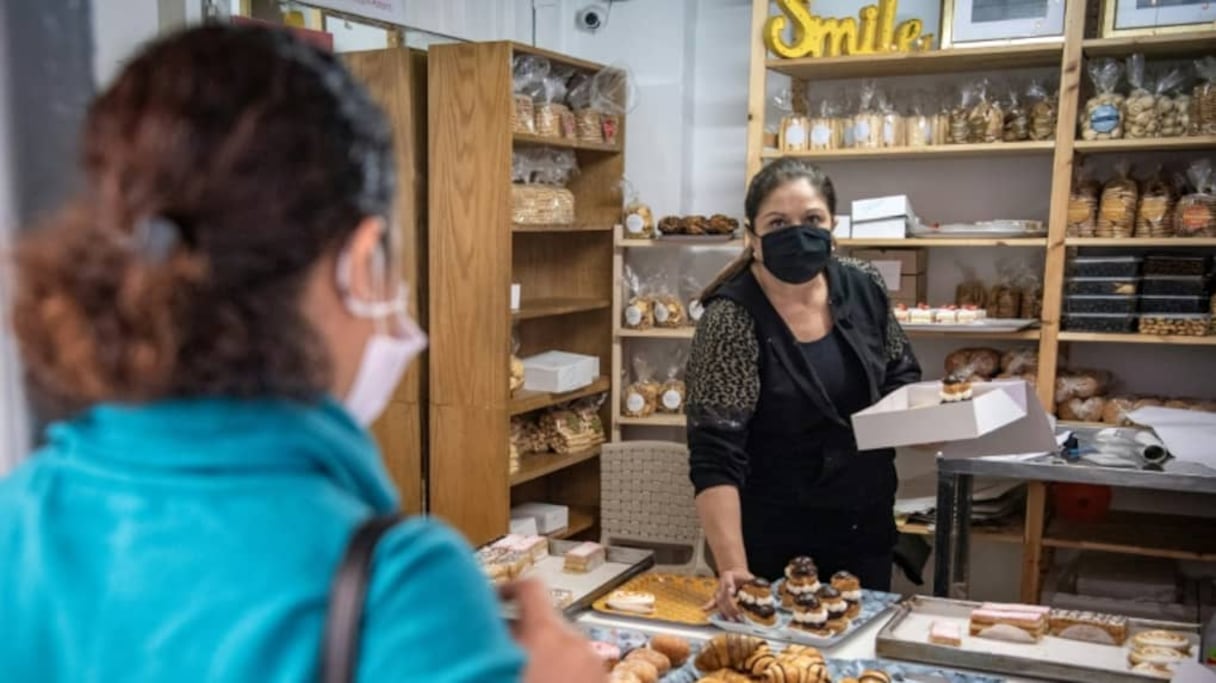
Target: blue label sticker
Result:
[1104, 118]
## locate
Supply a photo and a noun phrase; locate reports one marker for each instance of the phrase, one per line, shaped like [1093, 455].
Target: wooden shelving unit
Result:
[476, 253]
[1068, 58]
[942, 242]
[653, 421]
[679, 244]
[1009, 531]
[658, 333]
[1144, 534]
[1023, 335]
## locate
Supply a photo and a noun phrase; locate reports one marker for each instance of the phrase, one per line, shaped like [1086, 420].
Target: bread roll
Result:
[1116, 410]
[675, 648]
[1082, 409]
[982, 362]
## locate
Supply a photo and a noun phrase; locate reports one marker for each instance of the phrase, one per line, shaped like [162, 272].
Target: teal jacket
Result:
[195, 540]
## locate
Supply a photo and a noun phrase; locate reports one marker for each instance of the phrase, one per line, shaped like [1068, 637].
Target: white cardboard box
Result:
[844, 228]
[559, 371]
[548, 517]
[524, 526]
[882, 229]
[1003, 418]
[876, 208]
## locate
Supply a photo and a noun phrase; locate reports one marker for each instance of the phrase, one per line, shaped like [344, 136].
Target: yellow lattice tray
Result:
[677, 599]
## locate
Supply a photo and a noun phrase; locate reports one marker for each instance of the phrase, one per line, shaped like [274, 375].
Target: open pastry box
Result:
[906, 636]
[574, 592]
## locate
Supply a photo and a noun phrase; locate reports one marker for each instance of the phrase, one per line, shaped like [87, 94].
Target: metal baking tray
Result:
[905, 636]
[874, 605]
[985, 325]
[621, 565]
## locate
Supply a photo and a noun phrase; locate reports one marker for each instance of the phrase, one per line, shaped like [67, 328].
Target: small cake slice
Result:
[850, 589]
[922, 314]
[584, 557]
[634, 602]
[946, 316]
[902, 314]
[1093, 627]
[757, 603]
[946, 633]
[955, 388]
[810, 615]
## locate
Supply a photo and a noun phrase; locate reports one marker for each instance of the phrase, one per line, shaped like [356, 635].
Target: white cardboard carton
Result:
[1003, 418]
[524, 526]
[559, 371]
[876, 208]
[549, 518]
[881, 229]
[844, 228]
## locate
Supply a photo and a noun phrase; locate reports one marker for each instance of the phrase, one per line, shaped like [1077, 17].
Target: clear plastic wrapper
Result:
[1102, 115]
[985, 120]
[919, 123]
[1005, 297]
[669, 310]
[673, 391]
[1155, 213]
[1042, 111]
[613, 95]
[636, 215]
[540, 199]
[826, 126]
[793, 131]
[971, 291]
[1072, 384]
[690, 291]
[1081, 409]
[867, 122]
[1083, 206]
[640, 398]
[975, 364]
[639, 295]
[1173, 107]
[1195, 214]
[960, 115]
[588, 410]
[1031, 287]
[1020, 361]
[1017, 118]
[553, 118]
[1203, 97]
[1140, 116]
[574, 427]
[588, 124]
[892, 132]
[1117, 207]
[528, 73]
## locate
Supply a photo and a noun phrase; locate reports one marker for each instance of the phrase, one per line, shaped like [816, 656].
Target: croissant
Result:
[792, 672]
[728, 651]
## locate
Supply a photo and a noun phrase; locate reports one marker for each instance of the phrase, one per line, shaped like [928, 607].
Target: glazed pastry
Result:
[643, 670]
[1161, 656]
[810, 615]
[850, 589]
[945, 633]
[757, 602]
[801, 578]
[1016, 623]
[611, 654]
[1165, 673]
[656, 659]
[1088, 626]
[1168, 639]
[873, 676]
[832, 601]
[675, 648]
[955, 389]
[634, 602]
[725, 651]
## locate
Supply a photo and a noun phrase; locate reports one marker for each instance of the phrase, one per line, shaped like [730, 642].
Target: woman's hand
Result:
[724, 599]
[557, 653]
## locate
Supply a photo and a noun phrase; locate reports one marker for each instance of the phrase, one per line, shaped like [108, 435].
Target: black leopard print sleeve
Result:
[902, 366]
[723, 376]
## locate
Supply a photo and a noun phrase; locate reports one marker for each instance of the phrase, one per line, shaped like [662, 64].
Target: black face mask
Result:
[797, 254]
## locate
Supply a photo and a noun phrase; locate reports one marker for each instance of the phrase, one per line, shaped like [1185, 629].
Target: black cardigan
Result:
[757, 418]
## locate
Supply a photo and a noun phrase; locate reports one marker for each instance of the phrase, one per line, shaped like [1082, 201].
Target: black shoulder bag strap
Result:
[344, 622]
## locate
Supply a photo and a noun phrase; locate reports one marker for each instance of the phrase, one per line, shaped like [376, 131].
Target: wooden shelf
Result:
[581, 519]
[658, 333]
[653, 421]
[1026, 335]
[1044, 148]
[1182, 242]
[537, 465]
[545, 308]
[655, 243]
[519, 227]
[526, 401]
[914, 64]
[1136, 338]
[1129, 533]
[910, 242]
[531, 140]
[1009, 531]
[1199, 142]
[1158, 46]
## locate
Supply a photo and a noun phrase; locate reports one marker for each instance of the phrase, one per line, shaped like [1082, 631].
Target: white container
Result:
[559, 371]
[523, 526]
[882, 229]
[515, 296]
[548, 517]
[844, 228]
[877, 208]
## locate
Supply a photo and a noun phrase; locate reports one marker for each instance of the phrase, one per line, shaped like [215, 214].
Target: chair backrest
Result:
[646, 500]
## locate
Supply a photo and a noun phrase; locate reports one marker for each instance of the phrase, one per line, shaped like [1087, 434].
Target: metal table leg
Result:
[960, 580]
[943, 552]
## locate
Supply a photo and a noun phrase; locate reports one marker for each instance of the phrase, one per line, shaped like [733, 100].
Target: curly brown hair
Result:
[263, 154]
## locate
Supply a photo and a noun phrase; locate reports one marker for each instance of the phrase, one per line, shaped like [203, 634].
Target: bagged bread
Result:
[1072, 384]
[1102, 115]
[974, 362]
[1116, 410]
[641, 397]
[1117, 207]
[1155, 214]
[1081, 409]
[1020, 361]
[1195, 213]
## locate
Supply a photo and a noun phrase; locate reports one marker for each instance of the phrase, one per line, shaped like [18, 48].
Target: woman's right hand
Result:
[557, 653]
[724, 598]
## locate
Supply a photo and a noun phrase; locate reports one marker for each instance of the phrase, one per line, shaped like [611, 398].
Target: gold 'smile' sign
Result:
[825, 37]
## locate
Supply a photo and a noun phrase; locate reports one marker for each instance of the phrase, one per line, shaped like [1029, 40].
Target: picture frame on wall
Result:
[1152, 17]
[968, 23]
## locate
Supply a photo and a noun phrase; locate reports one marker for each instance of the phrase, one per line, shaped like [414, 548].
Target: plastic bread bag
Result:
[1155, 212]
[588, 124]
[971, 291]
[1005, 297]
[636, 216]
[1082, 216]
[1030, 286]
[1072, 384]
[690, 290]
[1102, 115]
[639, 311]
[553, 118]
[673, 392]
[1173, 107]
[528, 73]
[669, 310]
[1195, 215]
[1017, 118]
[1117, 205]
[892, 134]
[588, 411]
[515, 364]
[867, 123]
[1041, 106]
[1203, 97]
[1081, 409]
[543, 200]
[918, 124]
[613, 95]
[985, 120]
[1140, 116]
[793, 128]
[825, 127]
[1020, 361]
[960, 115]
[975, 364]
[566, 430]
[641, 396]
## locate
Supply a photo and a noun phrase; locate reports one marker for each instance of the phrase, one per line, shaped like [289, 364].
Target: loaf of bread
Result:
[1072, 384]
[974, 362]
[1082, 409]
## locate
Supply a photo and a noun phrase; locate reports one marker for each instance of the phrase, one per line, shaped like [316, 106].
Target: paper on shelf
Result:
[1188, 434]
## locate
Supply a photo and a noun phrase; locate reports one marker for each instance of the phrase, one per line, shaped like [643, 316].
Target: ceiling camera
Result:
[591, 18]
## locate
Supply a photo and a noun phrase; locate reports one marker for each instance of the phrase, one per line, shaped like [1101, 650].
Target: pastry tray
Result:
[622, 565]
[677, 599]
[874, 604]
[696, 239]
[986, 325]
[906, 636]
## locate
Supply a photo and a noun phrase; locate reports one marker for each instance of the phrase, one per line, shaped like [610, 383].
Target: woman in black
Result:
[794, 340]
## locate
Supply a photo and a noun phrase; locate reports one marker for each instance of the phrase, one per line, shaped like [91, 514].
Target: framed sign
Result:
[988, 22]
[1146, 17]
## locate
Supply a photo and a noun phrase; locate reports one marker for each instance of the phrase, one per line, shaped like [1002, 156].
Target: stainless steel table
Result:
[954, 483]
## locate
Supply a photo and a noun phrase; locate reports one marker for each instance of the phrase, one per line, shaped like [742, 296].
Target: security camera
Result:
[591, 18]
